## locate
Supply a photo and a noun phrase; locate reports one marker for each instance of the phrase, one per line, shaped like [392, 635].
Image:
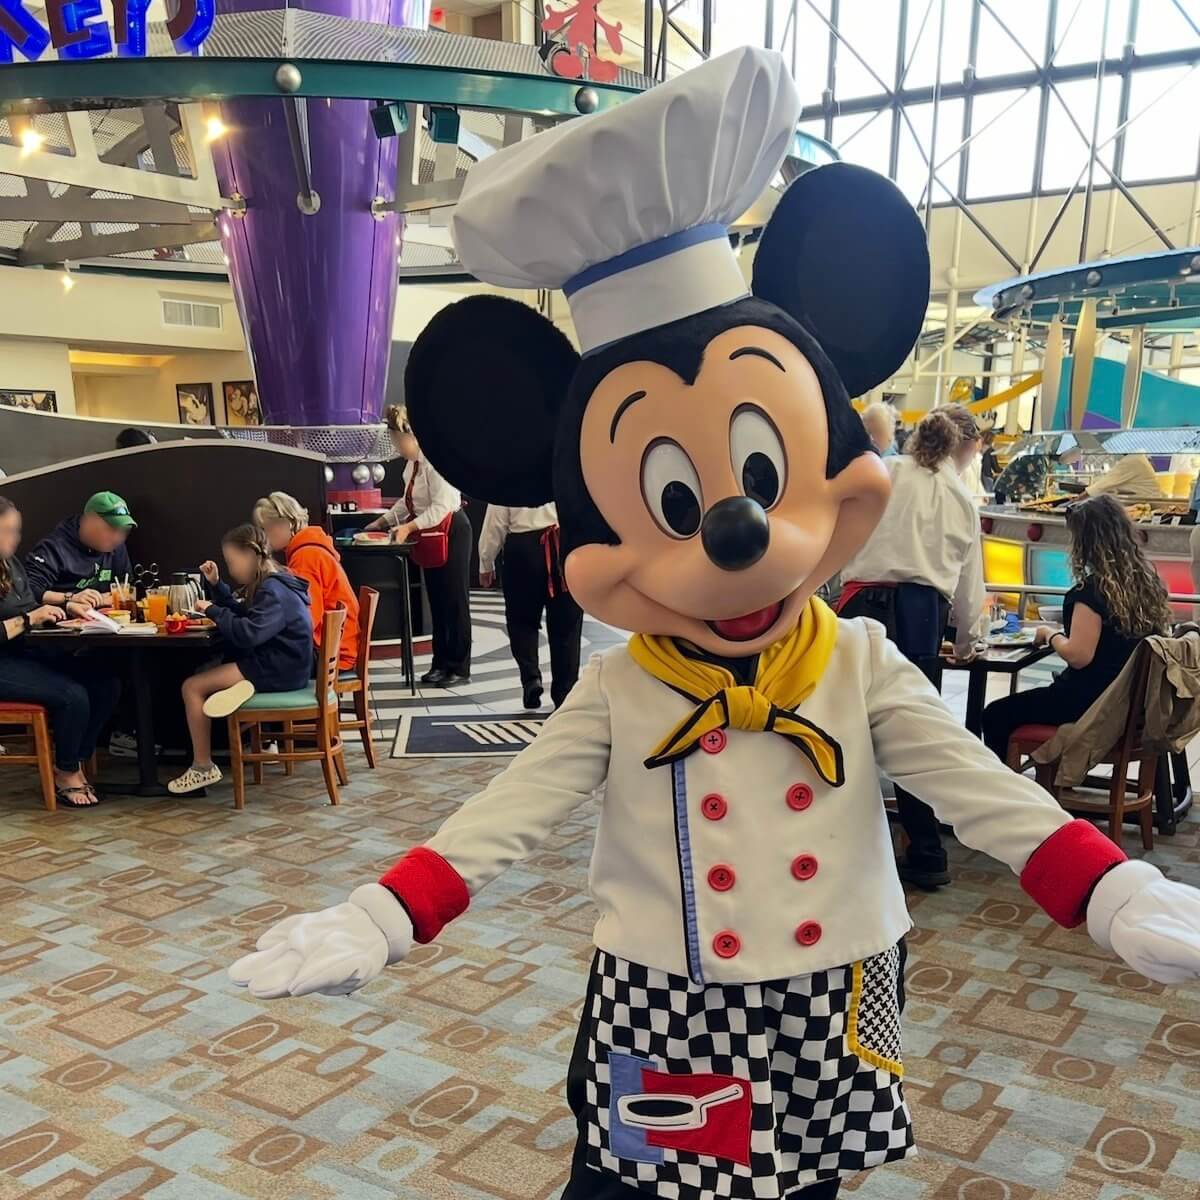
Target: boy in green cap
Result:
[80, 559]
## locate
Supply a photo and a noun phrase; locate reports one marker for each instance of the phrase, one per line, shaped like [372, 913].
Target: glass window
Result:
[803, 39]
[1080, 24]
[865, 139]
[1161, 26]
[921, 42]
[997, 53]
[1162, 144]
[1000, 159]
[871, 27]
[735, 23]
[912, 167]
[1067, 152]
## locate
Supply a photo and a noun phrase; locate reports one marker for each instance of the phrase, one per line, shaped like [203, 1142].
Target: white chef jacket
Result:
[500, 521]
[929, 534]
[747, 840]
[433, 499]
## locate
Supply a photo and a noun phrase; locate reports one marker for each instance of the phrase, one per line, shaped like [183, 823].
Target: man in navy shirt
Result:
[84, 554]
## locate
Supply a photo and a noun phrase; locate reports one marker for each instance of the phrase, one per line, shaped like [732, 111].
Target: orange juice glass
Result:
[156, 606]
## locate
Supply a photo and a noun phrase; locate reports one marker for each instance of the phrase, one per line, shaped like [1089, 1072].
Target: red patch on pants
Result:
[726, 1129]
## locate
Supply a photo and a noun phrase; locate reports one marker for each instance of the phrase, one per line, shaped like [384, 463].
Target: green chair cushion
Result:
[302, 698]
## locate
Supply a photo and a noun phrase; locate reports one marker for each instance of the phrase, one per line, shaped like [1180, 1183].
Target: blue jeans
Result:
[78, 698]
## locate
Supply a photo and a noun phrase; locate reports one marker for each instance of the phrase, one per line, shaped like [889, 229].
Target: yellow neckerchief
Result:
[787, 673]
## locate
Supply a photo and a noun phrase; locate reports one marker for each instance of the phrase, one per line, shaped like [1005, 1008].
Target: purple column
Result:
[315, 293]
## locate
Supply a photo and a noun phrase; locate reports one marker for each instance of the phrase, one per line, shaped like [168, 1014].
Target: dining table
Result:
[134, 650]
[1008, 660]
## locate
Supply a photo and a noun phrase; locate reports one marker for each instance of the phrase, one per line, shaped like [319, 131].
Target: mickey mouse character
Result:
[740, 1035]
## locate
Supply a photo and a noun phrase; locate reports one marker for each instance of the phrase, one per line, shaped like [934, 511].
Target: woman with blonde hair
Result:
[1117, 600]
[311, 555]
[922, 566]
[430, 503]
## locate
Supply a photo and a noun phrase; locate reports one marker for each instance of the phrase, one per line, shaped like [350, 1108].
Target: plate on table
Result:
[1010, 641]
[201, 623]
[373, 536]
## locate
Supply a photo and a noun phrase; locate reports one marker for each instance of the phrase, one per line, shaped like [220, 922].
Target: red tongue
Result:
[752, 625]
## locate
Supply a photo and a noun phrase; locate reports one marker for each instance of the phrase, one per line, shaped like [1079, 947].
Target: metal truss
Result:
[151, 209]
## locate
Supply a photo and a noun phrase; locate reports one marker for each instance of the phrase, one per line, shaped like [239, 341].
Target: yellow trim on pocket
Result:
[856, 1047]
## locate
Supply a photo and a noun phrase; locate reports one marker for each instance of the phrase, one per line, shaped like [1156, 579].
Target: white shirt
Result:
[929, 534]
[756, 807]
[500, 521]
[433, 499]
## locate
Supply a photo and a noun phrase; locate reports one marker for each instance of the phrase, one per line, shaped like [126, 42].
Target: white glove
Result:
[334, 951]
[1149, 921]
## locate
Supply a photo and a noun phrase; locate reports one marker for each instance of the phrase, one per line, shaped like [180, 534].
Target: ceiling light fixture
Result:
[31, 140]
[214, 129]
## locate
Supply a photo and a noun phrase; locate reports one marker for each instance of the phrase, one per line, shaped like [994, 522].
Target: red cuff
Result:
[1063, 870]
[430, 889]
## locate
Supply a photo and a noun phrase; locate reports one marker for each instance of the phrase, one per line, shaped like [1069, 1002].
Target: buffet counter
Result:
[1031, 548]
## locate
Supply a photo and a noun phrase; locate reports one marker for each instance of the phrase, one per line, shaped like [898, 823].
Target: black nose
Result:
[735, 533]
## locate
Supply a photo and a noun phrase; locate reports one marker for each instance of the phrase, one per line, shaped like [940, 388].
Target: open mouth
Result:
[748, 627]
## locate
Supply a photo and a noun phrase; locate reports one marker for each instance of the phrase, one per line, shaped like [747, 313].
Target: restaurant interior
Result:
[222, 230]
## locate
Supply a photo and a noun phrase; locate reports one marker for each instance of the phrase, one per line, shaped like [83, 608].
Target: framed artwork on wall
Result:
[43, 402]
[195, 403]
[241, 402]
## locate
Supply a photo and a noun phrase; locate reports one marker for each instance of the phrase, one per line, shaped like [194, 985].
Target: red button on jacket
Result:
[804, 866]
[727, 944]
[799, 796]
[808, 934]
[721, 878]
[713, 806]
[713, 742]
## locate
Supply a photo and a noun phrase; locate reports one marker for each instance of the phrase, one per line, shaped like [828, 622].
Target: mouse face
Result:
[716, 491]
[710, 474]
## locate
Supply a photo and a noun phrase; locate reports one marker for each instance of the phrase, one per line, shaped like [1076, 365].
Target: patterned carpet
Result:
[130, 1068]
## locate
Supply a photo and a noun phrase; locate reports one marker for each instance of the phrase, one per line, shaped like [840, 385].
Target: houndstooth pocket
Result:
[873, 1028]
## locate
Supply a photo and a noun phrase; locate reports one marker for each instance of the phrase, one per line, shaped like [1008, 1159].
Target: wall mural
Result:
[195, 403]
[44, 402]
[241, 402]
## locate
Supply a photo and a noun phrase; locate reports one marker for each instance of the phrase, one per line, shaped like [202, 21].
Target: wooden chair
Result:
[315, 706]
[32, 728]
[1128, 750]
[355, 684]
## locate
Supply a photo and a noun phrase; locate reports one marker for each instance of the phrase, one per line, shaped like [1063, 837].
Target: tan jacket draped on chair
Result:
[1172, 710]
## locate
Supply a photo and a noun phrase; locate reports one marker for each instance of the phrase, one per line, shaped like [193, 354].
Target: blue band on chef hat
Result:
[640, 255]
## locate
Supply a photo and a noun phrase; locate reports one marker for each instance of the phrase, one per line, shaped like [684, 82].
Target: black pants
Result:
[527, 582]
[449, 589]
[1051, 705]
[914, 616]
[78, 699]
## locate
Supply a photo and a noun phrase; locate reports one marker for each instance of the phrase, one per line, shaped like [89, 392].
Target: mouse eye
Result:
[758, 458]
[671, 488]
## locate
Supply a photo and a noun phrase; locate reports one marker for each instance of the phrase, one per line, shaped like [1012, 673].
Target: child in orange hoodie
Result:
[311, 555]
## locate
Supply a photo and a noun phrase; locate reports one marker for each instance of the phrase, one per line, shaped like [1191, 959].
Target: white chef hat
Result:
[627, 210]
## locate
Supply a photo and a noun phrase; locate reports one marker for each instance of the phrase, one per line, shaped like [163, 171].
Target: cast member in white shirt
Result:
[526, 542]
[923, 564]
[428, 501]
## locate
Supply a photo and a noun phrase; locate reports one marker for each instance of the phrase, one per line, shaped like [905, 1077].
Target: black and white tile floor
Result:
[495, 686]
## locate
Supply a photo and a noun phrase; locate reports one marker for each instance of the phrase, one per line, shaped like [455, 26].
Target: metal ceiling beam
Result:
[78, 204]
[86, 168]
[94, 245]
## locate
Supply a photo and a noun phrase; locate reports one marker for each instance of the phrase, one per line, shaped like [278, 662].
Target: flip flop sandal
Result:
[65, 796]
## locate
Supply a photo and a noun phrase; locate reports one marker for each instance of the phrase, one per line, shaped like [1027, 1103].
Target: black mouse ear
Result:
[483, 387]
[845, 255]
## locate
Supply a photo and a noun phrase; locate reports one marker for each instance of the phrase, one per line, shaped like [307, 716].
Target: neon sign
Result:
[78, 28]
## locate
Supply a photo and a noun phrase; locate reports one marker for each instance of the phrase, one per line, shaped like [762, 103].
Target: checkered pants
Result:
[821, 1053]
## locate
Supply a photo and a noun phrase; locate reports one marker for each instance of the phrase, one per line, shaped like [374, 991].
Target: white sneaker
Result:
[221, 704]
[193, 779]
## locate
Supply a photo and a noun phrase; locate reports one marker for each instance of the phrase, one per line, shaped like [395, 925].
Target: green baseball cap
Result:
[112, 508]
